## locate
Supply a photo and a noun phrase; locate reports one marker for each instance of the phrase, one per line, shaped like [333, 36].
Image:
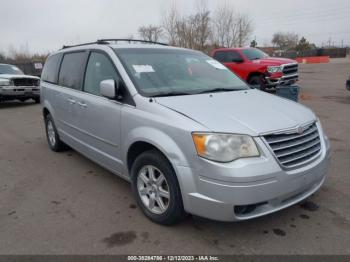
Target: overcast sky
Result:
[45, 25]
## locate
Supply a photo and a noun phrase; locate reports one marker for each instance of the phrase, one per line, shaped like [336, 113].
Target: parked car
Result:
[189, 135]
[348, 84]
[257, 68]
[14, 84]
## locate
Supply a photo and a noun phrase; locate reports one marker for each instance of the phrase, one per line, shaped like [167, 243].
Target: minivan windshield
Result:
[171, 72]
[10, 70]
[254, 54]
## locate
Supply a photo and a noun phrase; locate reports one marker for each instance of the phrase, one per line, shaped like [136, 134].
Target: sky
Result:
[46, 25]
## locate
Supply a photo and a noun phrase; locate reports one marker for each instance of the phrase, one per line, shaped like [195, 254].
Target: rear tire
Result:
[52, 136]
[37, 100]
[156, 188]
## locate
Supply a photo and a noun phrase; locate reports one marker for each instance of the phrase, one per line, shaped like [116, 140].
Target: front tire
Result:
[156, 188]
[53, 139]
[257, 82]
[37, 100]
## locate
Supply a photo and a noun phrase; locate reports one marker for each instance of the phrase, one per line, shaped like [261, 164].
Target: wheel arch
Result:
[45, 112]
[146, 138]
[137, 148]
[255, 73]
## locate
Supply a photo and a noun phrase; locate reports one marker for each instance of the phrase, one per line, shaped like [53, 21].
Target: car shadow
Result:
[16, 103]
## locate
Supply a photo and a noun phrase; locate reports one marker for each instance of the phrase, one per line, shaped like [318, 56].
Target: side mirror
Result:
[110, 88]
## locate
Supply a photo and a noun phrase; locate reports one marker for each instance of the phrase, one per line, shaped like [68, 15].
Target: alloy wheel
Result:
[153, 189]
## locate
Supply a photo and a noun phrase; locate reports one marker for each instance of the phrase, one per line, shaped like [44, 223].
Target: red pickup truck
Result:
[257, 68]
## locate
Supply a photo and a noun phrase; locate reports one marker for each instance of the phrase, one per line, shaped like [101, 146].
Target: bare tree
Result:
[2, 57]
[285, 40]
[150, 32]
[224, 28]
[170, 22]
[188, 31]
[230, 28]
[244, 29]
[201, 24]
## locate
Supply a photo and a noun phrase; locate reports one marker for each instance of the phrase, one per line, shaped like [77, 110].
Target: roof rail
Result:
[68, 46]
[116, 40]
[107, 42]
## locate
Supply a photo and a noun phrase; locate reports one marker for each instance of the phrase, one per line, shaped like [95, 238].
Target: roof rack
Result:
[116, 40]
[68, 46]
[106, 41]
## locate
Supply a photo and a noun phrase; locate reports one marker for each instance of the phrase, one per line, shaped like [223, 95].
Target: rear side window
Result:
[227, 56]
[99, 68]
[220, 56]
[72, 69]
[50, 71]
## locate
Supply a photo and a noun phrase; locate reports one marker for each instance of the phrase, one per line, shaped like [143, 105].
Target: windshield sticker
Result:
[143, 68]
[216, 64]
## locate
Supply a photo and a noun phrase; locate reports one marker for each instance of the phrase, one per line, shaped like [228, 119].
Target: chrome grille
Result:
[290, 69]
[25, 82]
[295, 149]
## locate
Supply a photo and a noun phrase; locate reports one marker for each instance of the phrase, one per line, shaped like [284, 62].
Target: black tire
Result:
[23, 99]
[37, 100]
[175, 211]
[257, 82]
[57, 145]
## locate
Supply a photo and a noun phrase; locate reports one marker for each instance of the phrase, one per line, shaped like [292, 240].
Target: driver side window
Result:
[233, 56]
[99, 68]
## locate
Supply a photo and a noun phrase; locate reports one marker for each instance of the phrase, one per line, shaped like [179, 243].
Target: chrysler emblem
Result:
[300, 130]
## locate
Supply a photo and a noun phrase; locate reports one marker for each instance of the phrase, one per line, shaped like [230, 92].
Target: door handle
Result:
[72, 101]
[82, 104]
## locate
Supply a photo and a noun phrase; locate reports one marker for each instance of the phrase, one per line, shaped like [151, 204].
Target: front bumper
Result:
[284, 80]
[16, 92]
[255, 186]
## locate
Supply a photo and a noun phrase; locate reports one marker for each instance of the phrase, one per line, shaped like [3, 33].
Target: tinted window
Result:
[50, 71]
[220, 56]
[227, 56]
[232, 56]
[253, 53]
[99, 68]
[72, 69]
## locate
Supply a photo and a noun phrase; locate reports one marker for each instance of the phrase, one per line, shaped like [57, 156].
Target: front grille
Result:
[290, 69]
[295, 149]
[25, 82]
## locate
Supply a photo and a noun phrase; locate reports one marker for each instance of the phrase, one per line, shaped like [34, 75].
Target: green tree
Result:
[253, 43]
[304, 45]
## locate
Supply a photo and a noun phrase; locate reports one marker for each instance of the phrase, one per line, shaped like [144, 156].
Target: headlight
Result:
[5, 82]
[274, 69]
[224, 147]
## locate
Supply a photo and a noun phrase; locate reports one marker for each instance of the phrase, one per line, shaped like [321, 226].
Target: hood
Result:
[7, 76]
[251, 112]
[273, 61]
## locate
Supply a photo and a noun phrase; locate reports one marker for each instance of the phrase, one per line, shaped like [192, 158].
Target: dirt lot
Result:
[64, 204]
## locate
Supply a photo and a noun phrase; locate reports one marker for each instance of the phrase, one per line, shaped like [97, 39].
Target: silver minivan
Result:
[189, 135]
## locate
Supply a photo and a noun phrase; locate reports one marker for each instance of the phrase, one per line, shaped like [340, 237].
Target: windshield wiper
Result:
[219, 89]
[174, 93]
